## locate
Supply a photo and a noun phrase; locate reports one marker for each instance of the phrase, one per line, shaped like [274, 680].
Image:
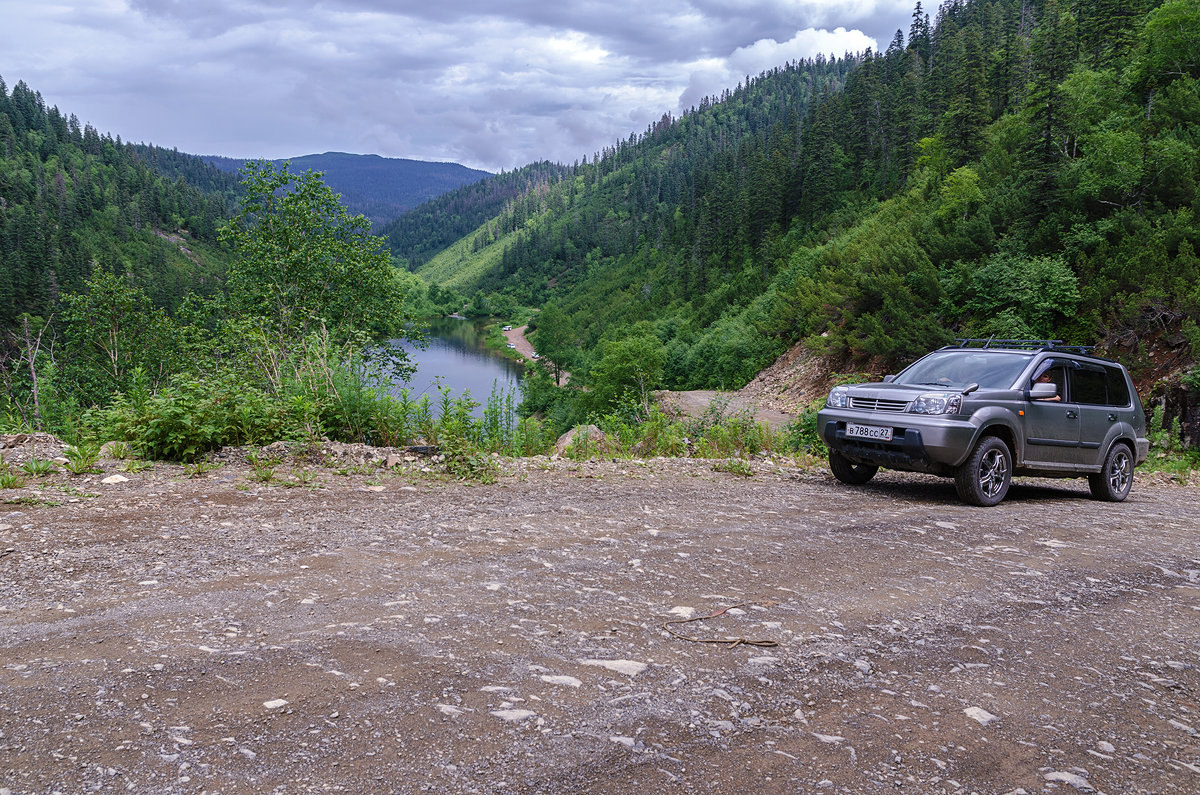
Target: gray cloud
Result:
[489, 85]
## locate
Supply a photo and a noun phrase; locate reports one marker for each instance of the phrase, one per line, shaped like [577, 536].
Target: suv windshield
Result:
[957, 369]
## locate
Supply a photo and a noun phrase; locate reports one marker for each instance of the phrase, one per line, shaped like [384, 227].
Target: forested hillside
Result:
[73, 201]
[381, 188]
[419, 234]
[1011, 167]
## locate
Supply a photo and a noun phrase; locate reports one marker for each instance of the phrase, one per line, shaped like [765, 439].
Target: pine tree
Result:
[1053, 53]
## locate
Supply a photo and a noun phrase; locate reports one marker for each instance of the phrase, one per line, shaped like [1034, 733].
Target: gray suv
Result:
[982, 411]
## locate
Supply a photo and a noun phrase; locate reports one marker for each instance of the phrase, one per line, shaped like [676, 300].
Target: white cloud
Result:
[767, 53]
[490, 85]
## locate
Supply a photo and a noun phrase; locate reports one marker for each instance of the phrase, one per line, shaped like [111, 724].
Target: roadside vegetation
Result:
[277, 355]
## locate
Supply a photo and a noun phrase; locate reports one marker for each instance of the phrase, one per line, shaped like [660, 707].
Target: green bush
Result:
[465, 460]
[803, 435]
[194, 416]
[662, 436]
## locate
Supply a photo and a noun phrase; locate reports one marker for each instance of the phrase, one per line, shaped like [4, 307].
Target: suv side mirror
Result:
[887, 379]
[1042, 391]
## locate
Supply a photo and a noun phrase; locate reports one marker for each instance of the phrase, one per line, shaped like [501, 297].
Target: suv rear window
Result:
[1118, 387]
[1099, 386]
[1088, 386]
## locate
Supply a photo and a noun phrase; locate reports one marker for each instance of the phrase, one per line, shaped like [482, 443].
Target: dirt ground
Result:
[695, 402]
[349, 627]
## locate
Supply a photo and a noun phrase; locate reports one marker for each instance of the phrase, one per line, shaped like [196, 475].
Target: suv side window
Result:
[1118, 388]
[1055, 371]
[1089, 385]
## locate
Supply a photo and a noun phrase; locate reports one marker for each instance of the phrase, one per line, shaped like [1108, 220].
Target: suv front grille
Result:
[878, 404]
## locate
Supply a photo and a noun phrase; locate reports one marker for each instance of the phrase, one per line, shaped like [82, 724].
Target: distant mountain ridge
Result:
[381, 188]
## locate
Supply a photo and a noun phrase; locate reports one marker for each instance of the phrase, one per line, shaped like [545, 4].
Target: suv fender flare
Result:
[1123, 436]
[997, 422]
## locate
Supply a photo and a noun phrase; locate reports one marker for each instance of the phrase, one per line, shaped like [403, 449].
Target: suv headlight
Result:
[937, 403]
[839, 398]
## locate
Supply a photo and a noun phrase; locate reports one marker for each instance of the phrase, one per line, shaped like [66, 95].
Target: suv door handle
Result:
[1112, 417]
[1072, 415]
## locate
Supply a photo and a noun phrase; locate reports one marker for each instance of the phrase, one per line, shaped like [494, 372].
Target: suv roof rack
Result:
[1030, 345]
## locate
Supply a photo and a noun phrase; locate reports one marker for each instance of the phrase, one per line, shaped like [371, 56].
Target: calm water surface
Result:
[457, 358]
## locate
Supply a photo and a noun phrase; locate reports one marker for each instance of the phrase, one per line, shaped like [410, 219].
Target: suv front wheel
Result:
[984, 478]
[1112, 483]
[847, 471]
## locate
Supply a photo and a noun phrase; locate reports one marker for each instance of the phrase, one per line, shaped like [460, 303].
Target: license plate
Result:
[872, 432]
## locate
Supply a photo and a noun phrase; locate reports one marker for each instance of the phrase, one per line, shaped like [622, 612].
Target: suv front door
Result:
[1052, 425]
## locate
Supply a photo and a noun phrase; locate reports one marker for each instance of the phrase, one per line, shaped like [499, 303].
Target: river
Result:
[456, 357]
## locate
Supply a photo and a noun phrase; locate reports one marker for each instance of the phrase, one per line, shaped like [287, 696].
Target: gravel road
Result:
[390, 630]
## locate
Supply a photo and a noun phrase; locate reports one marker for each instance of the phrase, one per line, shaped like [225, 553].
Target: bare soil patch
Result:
[391, 630]
[696, 402]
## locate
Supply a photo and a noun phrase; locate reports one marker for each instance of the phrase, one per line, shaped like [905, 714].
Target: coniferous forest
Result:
[74, 201]
[1006, 167]
[1016, 168]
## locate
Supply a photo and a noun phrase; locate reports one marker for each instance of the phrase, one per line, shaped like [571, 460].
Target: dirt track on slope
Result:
[695, 402]
[389, 630]
[516, 337]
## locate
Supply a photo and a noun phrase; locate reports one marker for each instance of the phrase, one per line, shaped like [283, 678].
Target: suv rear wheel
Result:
[1113, 481]
[847, 471]
[984, 478]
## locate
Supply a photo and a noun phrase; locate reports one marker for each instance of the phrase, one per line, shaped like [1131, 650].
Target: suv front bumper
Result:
[920, 443]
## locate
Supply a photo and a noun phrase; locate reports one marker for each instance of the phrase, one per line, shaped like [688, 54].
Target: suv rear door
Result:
[1102, 394]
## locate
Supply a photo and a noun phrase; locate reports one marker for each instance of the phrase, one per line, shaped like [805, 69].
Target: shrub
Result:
[194, 416]
[803, 435]
[463, 460]
[662, 435]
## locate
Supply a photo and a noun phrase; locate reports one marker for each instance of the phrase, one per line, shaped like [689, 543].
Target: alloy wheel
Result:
[1119, 472]
[993, 472]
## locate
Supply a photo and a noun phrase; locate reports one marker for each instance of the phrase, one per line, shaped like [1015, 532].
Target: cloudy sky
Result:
[486, 83]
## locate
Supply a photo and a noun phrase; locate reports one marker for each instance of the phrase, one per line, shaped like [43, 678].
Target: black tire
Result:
[847, 471]
[1113, 482]
[984, 478]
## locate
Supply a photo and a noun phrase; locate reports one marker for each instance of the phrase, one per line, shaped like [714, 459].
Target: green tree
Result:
[302, 261]
[112, 330]
[1169, 47]
[557, 338]
[632, 365]
[1053, 55]
[960, 193]
[967, 115]
[1014, 296]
